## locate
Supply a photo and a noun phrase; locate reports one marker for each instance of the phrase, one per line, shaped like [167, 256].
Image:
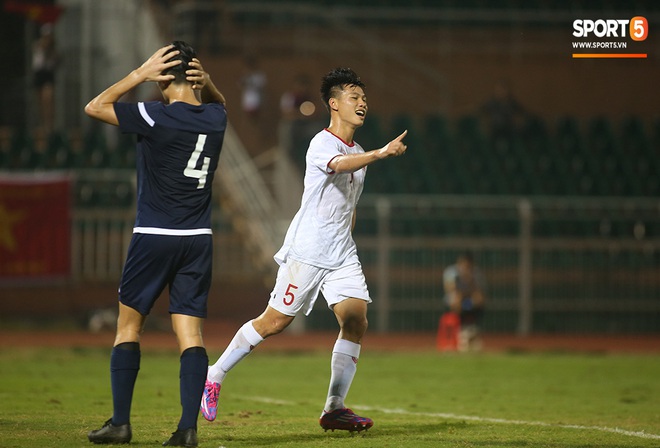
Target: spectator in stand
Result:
[253, 83]
[44, 64]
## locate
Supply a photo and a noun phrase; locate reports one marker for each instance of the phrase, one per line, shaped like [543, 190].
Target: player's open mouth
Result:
[361, 113]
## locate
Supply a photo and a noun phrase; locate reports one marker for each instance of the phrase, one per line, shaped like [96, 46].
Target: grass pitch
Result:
[53, 397]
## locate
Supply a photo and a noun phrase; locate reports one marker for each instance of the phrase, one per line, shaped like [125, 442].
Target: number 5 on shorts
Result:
[288, 295]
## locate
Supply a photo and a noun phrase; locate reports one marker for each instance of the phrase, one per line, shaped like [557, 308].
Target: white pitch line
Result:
[642, 434]
[474, 418]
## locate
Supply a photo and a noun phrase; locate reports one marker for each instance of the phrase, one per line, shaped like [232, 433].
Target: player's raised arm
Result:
[349, 163]
[202, 83]
[102, 107]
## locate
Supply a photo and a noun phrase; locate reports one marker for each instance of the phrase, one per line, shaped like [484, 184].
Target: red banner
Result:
[35, 226]
[42, 12]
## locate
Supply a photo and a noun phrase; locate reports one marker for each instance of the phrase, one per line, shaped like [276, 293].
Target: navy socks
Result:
[192, 378]
[124, 367]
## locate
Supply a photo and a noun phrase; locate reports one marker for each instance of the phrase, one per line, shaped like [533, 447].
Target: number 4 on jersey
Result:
[191, 170]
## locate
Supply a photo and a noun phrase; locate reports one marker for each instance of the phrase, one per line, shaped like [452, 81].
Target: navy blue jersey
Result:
[177, 153]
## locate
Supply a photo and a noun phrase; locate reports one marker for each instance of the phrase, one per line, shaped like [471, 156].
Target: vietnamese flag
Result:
[35, 226]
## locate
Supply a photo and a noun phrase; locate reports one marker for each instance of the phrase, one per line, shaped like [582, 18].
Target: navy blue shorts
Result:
[183, 263]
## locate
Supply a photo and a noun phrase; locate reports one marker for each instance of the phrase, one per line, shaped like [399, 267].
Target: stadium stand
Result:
[596, 157]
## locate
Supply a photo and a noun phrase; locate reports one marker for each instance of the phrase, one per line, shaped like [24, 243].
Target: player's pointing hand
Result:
[394, 148]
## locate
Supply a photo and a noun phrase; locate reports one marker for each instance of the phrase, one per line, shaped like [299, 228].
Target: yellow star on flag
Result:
[7, 221]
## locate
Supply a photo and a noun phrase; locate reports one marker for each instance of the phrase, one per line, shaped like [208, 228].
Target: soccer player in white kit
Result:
[319, 254]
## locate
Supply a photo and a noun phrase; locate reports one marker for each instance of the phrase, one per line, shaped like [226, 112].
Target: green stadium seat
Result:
[125, 151]
[633, 134]
[436, 132]
[22, 152]
[95, 148]
[370, 135]
[568, 136]
[58, 153]
[425, 158]
[601, 138]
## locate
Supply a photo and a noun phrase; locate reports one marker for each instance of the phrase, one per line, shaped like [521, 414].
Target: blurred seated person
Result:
[464, 287]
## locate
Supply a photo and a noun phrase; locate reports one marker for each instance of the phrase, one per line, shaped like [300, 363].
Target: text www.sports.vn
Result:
[599, 45]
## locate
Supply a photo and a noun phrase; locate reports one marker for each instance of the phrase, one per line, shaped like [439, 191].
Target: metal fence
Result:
[100, 240]
[552, 265]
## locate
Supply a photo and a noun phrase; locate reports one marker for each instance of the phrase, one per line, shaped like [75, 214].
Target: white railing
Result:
[100, 239]
[563, 279]
[548, 261]
[250, 204]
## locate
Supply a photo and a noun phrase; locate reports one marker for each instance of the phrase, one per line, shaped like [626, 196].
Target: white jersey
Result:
[320, 232]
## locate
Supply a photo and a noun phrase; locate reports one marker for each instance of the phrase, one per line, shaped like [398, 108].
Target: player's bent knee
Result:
[270, 325]
[279, 324]
[354, 324]
[123, 336]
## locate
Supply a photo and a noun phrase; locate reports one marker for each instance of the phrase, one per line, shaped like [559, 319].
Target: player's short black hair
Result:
[335, 81]
[186, 55]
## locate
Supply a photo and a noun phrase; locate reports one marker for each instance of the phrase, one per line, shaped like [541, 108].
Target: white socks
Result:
[343, 366]
[245, 339]
[345, 356]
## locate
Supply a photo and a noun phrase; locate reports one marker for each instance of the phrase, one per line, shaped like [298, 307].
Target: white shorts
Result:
[298, 285]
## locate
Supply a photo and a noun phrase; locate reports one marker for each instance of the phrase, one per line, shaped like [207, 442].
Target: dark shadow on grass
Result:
[444, 433]
[373, 434]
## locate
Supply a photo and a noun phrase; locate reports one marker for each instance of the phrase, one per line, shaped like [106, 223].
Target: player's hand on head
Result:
[196, 74]
[396, 147]
[152, 69]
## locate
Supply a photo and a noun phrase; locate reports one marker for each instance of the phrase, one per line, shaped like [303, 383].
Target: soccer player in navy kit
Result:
[179, 143]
